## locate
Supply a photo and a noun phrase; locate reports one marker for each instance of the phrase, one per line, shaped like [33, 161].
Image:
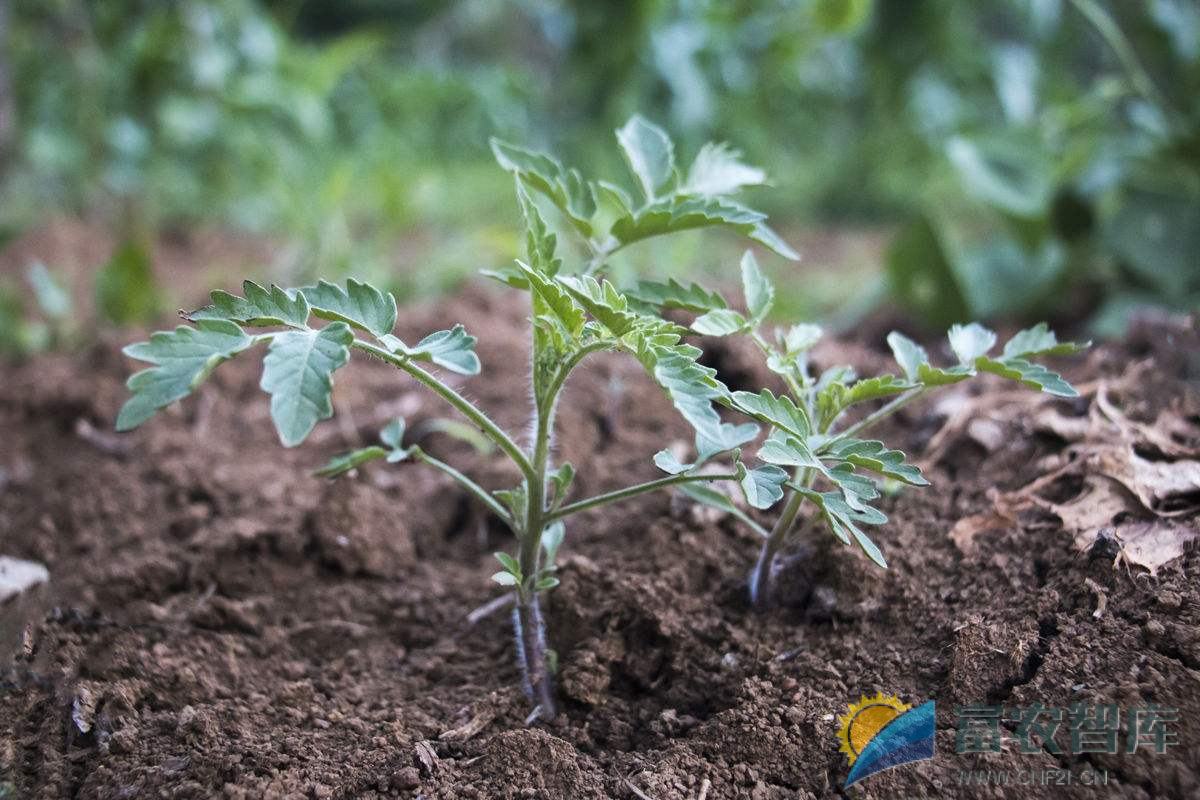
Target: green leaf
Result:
[843, 521]
[668, 463]
[691, 386]
[297, 373]
[558, 301]
[760, 294]
[52, 298]
[841, 16]
[543, 173]
[672, 294]
[789, 451]
[561, 479]
[514, 499]
[510, 564]
[969, 342]
[453, 350]
[719, 322]
[359, 304]
[505, 579]
[718, 170]
[602, 301]
[781, 412]
[545, 584]
[552, 539]
[1032, 375]
[763, 485]
[540, 243]
[727, 437]
[1039, 341]
[801, 338]
[126, 292]
[836, 397]
[875, 456]
[183, 358]
[612, 203]
[649, 152]
[908, 354]
[673, 214]
[259, 307]
[343, 463]
[1003, 173]
[857, 490]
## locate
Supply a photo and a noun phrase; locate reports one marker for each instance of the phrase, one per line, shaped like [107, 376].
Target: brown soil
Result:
[224, 625]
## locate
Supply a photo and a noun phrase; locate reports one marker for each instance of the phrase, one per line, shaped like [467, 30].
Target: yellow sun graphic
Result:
[866, 718]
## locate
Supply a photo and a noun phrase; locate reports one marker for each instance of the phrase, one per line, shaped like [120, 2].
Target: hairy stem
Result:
[460, 403]
[532, 651]
[633, 491]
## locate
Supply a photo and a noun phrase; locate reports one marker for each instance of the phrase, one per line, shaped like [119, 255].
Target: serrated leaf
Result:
[781, 412]
[508, 276]
[343, 463]
[843, 521]
[763, 485]
[673, 294]
[298, 374]
[969, 342]
[565, 188]
[505, 578]
[759, 293]
[183, 358]
[719, 322]
[673, 214]
[837, 397]
[1028, 373]
[453, 350]
[875, 456]
[718, 170]
[857, 490]
[540, 243]
[938, 376]
[602, 301]
[670, 464]
[649, 152]
[691, 386]
[788, 451]
[558, 300]
[360, 305]
[259, 307]
[1039, 341]
[727, 437]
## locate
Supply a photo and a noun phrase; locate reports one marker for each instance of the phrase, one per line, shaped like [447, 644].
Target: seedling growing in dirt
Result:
[573, 315]
[810, 455]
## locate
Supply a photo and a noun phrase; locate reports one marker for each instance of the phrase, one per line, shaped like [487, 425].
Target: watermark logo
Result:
[882, 732]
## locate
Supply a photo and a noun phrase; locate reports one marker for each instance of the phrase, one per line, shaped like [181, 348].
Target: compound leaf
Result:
[453, 350]
[843, 521]
[1032, 375]
[875, 456]
[602, 300]
[297, 373]
[543, 173]
[359, 304]
[718, 170]
[673, 214]
[649, 152]
[259, 307]
[183, 358]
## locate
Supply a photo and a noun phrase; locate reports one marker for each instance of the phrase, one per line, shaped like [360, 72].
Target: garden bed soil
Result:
[221, 624]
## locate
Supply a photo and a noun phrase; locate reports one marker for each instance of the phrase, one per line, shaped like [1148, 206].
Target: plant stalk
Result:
[530, 631]
[633, 491]
[760, 579]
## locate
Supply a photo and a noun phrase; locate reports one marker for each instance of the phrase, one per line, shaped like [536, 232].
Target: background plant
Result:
[573, 315]
[812, 453]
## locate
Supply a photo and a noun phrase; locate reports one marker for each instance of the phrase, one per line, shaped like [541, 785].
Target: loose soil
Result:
[221, 624]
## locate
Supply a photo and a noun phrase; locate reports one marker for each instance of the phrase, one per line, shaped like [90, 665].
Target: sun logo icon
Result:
[881, 732]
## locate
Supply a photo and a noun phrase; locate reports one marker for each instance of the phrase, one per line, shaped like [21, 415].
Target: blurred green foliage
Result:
[1033, 155]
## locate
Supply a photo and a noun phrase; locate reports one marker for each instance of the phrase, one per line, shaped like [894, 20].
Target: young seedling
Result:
[573, 315]
[831, 464]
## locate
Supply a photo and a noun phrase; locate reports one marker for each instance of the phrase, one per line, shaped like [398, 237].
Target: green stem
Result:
[462, 404]
[760, 579]
[878, 415]
[1108, 29]
[633, 491]
[481, 494]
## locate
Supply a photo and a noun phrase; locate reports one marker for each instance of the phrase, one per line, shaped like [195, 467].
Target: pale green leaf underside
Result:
[1029, 374]
[759, 293]
[873, 455]
[788, 451]
[543, 173]
[182, 358]
[718, 170]
[1039, 341]
[763, 485]
[359, 304]
[844, 522]
[259, 307]
[649, 152]
[719, 322]
[297, 373]
[669, 463]
[687, 213]
[969, 342]
[673, 294]
[780, 412]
